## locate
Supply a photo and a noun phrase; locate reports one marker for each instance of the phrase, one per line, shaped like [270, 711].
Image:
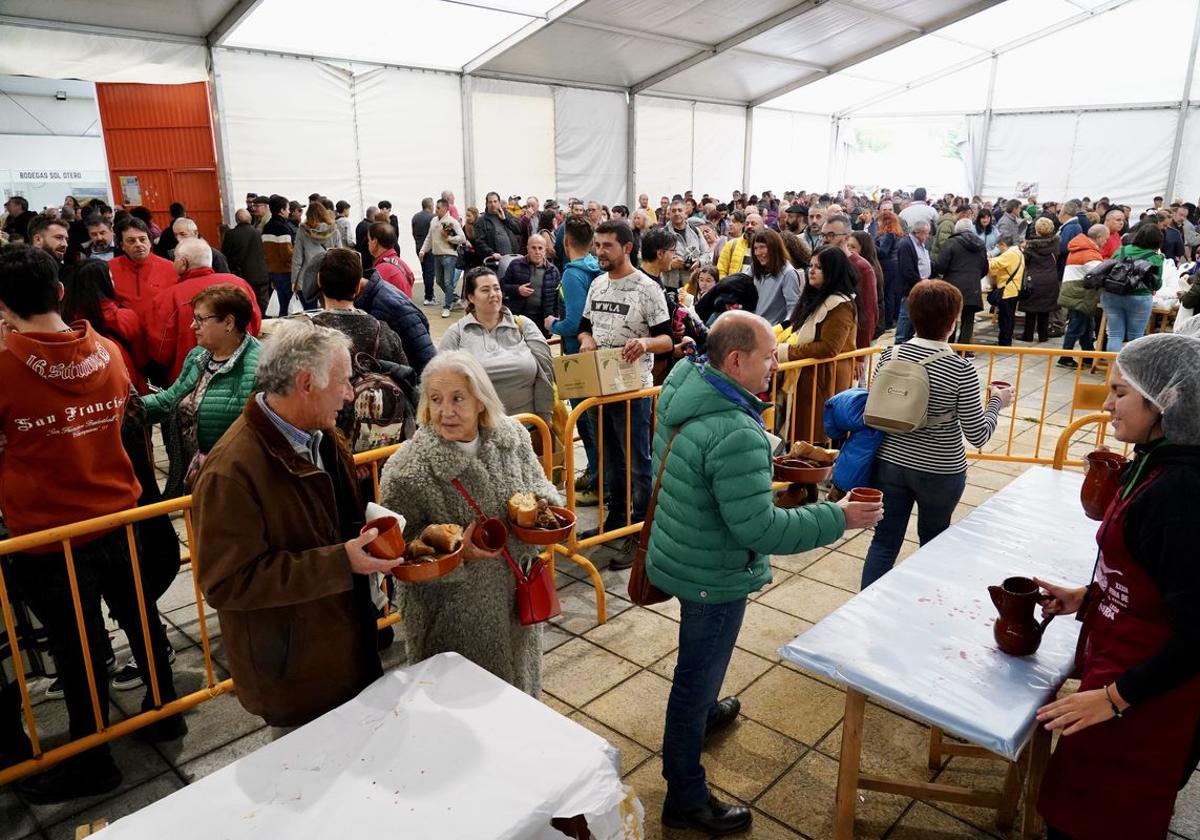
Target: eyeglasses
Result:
[198, 320]
[829, 236]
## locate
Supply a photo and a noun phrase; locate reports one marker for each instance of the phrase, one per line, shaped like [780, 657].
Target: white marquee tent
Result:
[609, 98]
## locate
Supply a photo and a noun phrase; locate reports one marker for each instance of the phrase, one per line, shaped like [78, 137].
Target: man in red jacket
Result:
[137, 274]
[61, 408]
[381, 240]
[169, 335]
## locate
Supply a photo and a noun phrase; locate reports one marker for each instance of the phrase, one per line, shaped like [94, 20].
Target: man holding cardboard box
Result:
[625, 309]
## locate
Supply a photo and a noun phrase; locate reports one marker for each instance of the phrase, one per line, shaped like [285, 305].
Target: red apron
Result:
[1119, 778]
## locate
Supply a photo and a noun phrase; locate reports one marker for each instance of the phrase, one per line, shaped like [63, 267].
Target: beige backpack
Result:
[898, 401]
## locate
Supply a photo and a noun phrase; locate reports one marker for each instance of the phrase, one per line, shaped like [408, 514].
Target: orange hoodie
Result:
[61, 408]
[1082, 250]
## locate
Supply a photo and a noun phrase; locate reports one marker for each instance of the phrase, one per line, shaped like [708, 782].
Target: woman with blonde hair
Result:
[1041, 271]
[314, 237]
[463, 433]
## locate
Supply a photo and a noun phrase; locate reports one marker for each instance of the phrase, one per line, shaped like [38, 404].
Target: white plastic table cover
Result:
[439, 749]
[920, 638]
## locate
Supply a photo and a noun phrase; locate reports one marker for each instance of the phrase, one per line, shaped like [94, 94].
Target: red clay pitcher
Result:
[1101, 483]
[1017, 631]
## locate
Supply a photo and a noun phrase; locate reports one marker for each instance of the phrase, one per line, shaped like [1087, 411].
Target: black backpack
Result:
[1121, 277]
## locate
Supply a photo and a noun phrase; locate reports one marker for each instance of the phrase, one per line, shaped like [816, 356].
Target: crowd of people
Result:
[111, 325]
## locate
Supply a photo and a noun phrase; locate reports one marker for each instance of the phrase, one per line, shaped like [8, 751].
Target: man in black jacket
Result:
[497, 233]
[531, 284]
[393, 307]
[420, 229]
[243, 249]
[360, 239]
[913, 265]
[19, 216]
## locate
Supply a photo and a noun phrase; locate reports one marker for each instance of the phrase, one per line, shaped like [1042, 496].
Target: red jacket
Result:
[61, 407]
[867, 301]
[395, 271]
[1111, 246]
[169, 334]
[124, 327]
[1081, 250]
[137, 284]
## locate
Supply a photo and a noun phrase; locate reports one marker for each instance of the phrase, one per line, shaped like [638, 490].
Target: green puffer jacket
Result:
[716, 520]
[225, 398]
[1155, 258]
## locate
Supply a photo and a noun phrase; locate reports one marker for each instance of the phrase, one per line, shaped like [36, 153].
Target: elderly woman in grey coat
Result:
[464, 433]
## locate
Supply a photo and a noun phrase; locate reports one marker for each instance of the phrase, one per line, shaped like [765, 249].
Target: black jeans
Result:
[966, 328]
[102, 570]
[1007, 311]
[1040, 320]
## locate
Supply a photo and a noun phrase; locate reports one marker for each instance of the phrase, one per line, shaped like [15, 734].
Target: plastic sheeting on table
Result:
[438, 749]
[921, 640]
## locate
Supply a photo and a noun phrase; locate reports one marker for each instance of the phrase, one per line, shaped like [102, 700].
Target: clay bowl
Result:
[390, 543]
[428, 568]
[798, 471]
[866, 494]
[490, 534]
[546, 536]
[1000, 383]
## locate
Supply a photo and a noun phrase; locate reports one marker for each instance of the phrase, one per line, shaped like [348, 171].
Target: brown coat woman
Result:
[824, 324]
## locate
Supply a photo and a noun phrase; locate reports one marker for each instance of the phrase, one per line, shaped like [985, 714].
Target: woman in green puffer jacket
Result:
[1127, 316]
[218, 377]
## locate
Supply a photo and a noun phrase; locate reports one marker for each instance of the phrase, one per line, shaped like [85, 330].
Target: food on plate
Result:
[804, 450]
[544, 517]
[418, 550]
[443, 539]
[523, 509]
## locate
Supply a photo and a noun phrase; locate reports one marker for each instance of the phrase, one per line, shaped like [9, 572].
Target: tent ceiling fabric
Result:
[188, 18]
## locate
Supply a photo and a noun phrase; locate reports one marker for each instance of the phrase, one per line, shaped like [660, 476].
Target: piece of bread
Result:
[444, 539]
[522, 509]
[418, 549]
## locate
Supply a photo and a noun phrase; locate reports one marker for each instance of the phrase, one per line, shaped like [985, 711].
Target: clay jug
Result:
[1101, 483]
[1017, 631]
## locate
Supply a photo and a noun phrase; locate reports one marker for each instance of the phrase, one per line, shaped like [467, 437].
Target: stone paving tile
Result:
[552, 637]
[744, 668]
[803, 800]
[979, 773]
[564, 709]
[795, 705]
[892, 745]
[777, 577]
[580, 671]
[640, 636]
[636, 708]
[1187, 810]
[765, 630]
[119, 806]
[198, 768]
[923, 822]
[747, 757]
[16, 820]
[837, 569]
[632, 753]
[211, 724]
[808, 599]
[798, 562]
[977, 476]
[578, 600]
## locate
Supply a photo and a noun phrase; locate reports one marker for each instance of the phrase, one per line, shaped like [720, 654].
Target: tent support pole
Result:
[631, 150]
[981, 166]
[357, 145]
[1184, 103]
[746, 149]
[468, 133]
[835, 129]
[229, 204]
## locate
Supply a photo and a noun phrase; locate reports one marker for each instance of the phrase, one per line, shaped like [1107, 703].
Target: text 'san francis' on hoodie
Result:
[61, 408]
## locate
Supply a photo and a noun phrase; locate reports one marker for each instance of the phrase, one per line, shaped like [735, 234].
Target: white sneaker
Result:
[445, 313]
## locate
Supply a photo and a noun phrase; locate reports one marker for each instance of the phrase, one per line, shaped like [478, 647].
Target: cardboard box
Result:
[596, 374]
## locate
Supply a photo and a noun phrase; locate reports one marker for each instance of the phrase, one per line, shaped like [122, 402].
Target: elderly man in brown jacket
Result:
[279, 552]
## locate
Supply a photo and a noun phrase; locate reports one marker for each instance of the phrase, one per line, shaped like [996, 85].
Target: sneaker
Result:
[70, 780]
[587, 498]
[587, 481]
[54, 691]
[1068, 362]
[624, 558]
[430, 302]
[130, 677]
[445, 313]
[458, 306]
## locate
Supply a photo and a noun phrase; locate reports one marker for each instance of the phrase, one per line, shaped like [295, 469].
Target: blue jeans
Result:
[707, 633]
[283, 289]
[1079, 328]
[444, 272]
[587, 434]
[615, 459]
[428, 273]
[935, 495]
[1127, 318]
[904, 326]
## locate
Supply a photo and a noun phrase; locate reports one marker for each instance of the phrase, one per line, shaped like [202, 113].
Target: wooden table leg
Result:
[847, 785]
[1039, 757]
[935, 748]
[1006, 814]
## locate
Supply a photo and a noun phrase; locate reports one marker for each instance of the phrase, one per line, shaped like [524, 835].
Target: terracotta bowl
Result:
[490, 534]
[390, 543]
[1000, 383]
[546, 536]
[798, 471]
[428, 568]
[866, 494]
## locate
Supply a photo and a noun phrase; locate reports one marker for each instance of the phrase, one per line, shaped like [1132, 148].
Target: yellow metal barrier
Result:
[1064, 439]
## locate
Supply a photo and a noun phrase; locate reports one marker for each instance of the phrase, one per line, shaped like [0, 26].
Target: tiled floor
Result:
[781, 757]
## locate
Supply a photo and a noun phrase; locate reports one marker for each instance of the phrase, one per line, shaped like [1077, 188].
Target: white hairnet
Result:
[1190, 327]
[1165, 369]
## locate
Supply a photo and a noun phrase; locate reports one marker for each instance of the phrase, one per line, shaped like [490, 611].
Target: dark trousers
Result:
[615, 459]
[587, 435]
[707, 633]
[1081, 329]
[934, 494]
[428, 274]
[966, 327]
[102, 570]
[283, 289]
[1040, 321]
[1007, 310]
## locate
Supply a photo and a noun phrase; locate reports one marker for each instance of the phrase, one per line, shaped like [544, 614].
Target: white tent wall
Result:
[663, 146]
[590, 144]
[1069, 155]
[718, 149]
[287, 126]
[52, 53]
[513, 140]
[905, 152]
[788, 150]
[410, 140]
[1187, 185]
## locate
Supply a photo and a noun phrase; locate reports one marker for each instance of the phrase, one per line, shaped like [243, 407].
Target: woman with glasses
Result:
[216, 381]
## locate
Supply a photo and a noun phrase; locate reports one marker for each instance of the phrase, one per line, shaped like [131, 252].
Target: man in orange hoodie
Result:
[1084, 252]
[61, 408]
[138, 275]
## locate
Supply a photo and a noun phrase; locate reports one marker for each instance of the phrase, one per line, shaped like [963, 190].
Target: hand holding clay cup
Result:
[389, 542]
[1001, 389]
[861, 514]
[484, 538]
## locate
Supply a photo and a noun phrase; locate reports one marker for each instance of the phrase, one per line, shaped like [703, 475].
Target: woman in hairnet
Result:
[1129, 735]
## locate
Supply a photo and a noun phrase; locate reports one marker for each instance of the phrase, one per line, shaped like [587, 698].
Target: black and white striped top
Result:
[953, 388]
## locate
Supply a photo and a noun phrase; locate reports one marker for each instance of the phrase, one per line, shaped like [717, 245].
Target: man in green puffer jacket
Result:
[713, 529]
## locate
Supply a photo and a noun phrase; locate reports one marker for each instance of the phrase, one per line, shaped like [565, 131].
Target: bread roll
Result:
[522, 509]
[418, 550]
[443, 538]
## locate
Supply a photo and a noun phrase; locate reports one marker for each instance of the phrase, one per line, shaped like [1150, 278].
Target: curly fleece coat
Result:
[472, 610]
